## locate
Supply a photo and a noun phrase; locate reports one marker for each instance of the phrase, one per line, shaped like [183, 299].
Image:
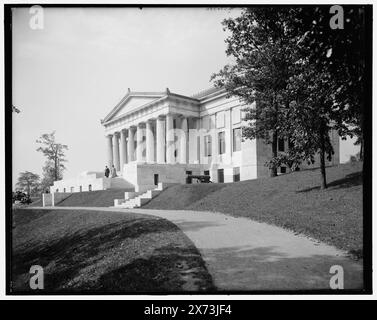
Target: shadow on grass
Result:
[103, 250]
[267, 268]
[350, 180]
[70, 254]
[170, 268]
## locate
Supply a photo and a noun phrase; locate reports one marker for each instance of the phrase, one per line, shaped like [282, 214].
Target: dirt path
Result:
[242, 254]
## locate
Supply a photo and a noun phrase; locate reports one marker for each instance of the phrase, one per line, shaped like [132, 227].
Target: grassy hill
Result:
[94, 251]
[101, 198]
[293, 201]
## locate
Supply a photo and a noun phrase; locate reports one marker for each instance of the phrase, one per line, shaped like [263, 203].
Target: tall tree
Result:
[259, 43]
[55, 154]
[334, 41]
[312, 116]
[331, 79]
[299, 79]
[28, 181]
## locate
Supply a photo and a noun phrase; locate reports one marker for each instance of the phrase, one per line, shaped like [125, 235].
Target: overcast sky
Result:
[70, 74]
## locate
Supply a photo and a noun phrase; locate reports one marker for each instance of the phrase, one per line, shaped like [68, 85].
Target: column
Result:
[160, 136]
[228, 137]
[215, 140]
[139, 146]
[123, 150]
[169, 139]
[149, 142]
[116, 151]
[131, 144]
[109, 150]
[183, 141]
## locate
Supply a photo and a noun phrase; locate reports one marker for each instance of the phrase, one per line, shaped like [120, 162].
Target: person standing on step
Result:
[107, 172]
[113, 172]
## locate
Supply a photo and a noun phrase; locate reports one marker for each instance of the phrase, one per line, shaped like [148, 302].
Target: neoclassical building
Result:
[157, 137]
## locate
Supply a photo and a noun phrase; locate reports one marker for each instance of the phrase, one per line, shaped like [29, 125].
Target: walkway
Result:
[242, 254]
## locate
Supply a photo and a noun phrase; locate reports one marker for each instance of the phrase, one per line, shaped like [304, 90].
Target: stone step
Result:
[137, 199]
[119, 202]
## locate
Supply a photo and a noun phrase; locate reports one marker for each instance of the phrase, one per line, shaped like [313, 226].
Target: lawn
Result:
[111, 252]
[293, 201]
[101, 198]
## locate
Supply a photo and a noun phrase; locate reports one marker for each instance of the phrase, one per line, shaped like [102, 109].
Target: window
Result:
[220, 119]
[236, 115]
[188, 177]
[281, 144]
[236, 139]
[236, 174]
[221, 142]
[220, 175]
[206, 123]
[198, 149]
[283, 170]
[206, 172]
[207, 146]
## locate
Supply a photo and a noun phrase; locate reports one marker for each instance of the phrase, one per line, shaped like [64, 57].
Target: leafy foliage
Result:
[28, 182]
[305, 78]
[55, 155]
[259, 42]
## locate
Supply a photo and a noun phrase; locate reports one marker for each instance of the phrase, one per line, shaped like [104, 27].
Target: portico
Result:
[157, 133]
[155, 140]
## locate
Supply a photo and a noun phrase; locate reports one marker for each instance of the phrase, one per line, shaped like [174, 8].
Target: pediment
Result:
[132, 102]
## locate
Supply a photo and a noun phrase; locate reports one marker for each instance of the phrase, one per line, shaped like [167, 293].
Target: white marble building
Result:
[156, 137]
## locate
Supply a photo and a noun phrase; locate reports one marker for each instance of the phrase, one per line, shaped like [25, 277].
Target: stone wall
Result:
[52, 199]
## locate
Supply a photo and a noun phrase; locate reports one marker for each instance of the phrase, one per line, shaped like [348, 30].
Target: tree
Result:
[259, 43]
[340, 52]
[311, 117]
[293, 65]
[55, 154]
[331, 81]
[48, 176]
[28, 182]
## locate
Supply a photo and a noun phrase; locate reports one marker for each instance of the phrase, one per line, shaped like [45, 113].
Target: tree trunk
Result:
[273, 170]
[322, 155]
[361, 149]
[56, 163]
[56, 171]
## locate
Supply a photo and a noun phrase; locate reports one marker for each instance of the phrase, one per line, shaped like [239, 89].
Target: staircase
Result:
[120, 183]
[137, 199]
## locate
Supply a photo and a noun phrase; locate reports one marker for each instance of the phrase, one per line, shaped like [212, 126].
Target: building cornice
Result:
[161, 97]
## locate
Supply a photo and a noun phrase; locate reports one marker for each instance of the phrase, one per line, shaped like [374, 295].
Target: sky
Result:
[70, 74]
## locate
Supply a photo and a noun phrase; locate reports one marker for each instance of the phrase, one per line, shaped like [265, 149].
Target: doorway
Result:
[220, 175]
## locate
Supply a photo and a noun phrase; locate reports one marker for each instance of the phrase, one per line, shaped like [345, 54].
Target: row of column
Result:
[119, 154]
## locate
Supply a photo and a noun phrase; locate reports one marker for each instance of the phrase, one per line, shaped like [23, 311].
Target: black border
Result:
[367, 166]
